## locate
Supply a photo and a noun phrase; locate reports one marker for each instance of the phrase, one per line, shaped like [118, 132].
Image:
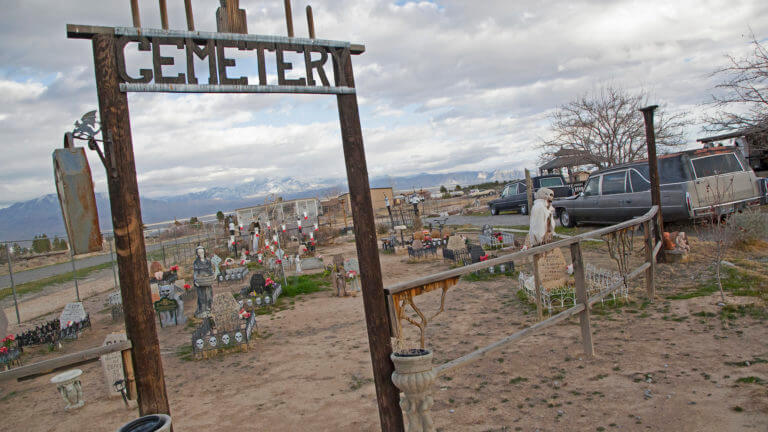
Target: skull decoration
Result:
[239, 337]
[267, 300]
[225, 339]
[258, 301]
[249, 302]
[199, 344]
[240, 302]
[212, 341]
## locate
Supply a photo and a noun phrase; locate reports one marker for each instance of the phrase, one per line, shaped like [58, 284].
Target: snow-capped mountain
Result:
[23, 220]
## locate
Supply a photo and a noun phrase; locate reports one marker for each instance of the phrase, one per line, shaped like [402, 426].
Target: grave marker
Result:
[74, 312]
[553, 270]
[312, 264]
[225, 312]
[112, 363]
[3, 323]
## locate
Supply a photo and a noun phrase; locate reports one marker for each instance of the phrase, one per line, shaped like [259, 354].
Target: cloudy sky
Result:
[443, 85]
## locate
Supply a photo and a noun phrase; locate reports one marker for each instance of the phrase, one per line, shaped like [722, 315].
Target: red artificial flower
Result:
[175, 268]
[3, 350]
[187, 286]
[484, 257]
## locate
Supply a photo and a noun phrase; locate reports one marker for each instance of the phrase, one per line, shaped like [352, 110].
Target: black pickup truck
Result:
[515, 196]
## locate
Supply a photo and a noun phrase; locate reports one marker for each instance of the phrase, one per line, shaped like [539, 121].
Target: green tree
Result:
[193, 220]
[443, 190]
[458, 187]
[220, 216]
[41, 244]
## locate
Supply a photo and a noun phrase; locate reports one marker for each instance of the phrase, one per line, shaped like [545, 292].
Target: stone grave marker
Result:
[456, 242]
[351, 264]
[553, 269]
[216, 260]
[112, 363]
[74, 312]
[311, 263]
[3, 323]
[225, 312]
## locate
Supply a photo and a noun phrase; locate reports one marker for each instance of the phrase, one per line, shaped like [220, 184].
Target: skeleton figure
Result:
[542, 218]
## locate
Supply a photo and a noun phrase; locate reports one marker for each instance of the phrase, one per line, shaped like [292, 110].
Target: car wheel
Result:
[494, 211]
[566, 219]
[524, 209]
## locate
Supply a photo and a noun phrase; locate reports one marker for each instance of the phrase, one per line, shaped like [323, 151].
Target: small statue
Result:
[681, 241]
[298, 264]
[203, 277]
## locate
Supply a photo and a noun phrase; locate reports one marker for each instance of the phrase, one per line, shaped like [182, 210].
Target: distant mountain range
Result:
[24, 220]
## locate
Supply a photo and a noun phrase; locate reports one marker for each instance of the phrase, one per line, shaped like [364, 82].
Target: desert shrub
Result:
[382, 228]
[748, 227]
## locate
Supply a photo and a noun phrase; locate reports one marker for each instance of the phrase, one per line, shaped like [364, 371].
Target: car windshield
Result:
[551, 182]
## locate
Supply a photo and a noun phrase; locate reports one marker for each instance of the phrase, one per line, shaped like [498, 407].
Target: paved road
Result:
[499, 220]
[57, 269]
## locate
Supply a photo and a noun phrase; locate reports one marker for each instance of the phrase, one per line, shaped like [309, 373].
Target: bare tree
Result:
[606, 128]
[741, 97]
[716, 227]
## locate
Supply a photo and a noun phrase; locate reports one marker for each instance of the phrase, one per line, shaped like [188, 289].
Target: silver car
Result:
[693, 184]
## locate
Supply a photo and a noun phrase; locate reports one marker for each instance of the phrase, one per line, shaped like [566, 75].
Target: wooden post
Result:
[653, 168]
[529, 190]
[163, 14]
[537, 282]
[135, 13]
[288, 17]
[650, 273]
[581, 297]
[129, 238]
[130, 377]
[374, 301]
[310, 22]
[190, 17]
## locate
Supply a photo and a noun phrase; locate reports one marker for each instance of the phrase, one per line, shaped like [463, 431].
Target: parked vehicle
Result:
[688, 184]
[515, 196]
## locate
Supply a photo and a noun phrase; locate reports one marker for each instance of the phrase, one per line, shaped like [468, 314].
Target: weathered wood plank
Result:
[581, 297]
[47, 366]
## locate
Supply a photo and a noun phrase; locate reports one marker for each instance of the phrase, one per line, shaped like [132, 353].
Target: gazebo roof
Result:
[569, 158]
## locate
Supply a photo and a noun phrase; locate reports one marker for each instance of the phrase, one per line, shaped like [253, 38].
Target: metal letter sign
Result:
[78, 202]
[211, 47]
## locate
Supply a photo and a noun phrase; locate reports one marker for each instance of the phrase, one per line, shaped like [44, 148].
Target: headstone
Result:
[311, 263]
[3, 323]
[225, 312]
[553, 270]
[112, 363]
[154, 289]
[456, 242]
[351, 264]
[216, 260]
[74, 312]
[114, 299]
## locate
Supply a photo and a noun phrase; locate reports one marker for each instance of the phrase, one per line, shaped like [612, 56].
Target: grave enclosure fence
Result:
[403, 294]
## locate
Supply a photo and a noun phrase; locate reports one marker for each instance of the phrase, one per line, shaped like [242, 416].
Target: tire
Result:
[494, 211]
[566, 219]
[524, 209]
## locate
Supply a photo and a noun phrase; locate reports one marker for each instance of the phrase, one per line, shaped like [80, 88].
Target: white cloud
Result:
[443, 85]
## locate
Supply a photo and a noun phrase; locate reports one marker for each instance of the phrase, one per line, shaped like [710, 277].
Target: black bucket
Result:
[148, 423]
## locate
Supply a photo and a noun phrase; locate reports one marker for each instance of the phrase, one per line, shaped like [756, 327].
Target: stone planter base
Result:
[69, 386]
[415, 376]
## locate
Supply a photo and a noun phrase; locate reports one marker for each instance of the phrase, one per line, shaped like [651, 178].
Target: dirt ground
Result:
[668, 365]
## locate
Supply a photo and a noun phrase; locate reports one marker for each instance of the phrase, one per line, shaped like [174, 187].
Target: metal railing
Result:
[402, 294]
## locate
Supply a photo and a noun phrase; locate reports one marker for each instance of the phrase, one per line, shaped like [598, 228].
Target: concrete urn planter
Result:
[69, 386]
[148, 423]
[415, 376]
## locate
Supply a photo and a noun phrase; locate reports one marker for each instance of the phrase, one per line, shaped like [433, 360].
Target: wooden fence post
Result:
[650, 273]
[537, 283]
[581, 297]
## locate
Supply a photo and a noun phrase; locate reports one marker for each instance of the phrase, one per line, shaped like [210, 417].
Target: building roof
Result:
[734, 134]
[571, 157]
